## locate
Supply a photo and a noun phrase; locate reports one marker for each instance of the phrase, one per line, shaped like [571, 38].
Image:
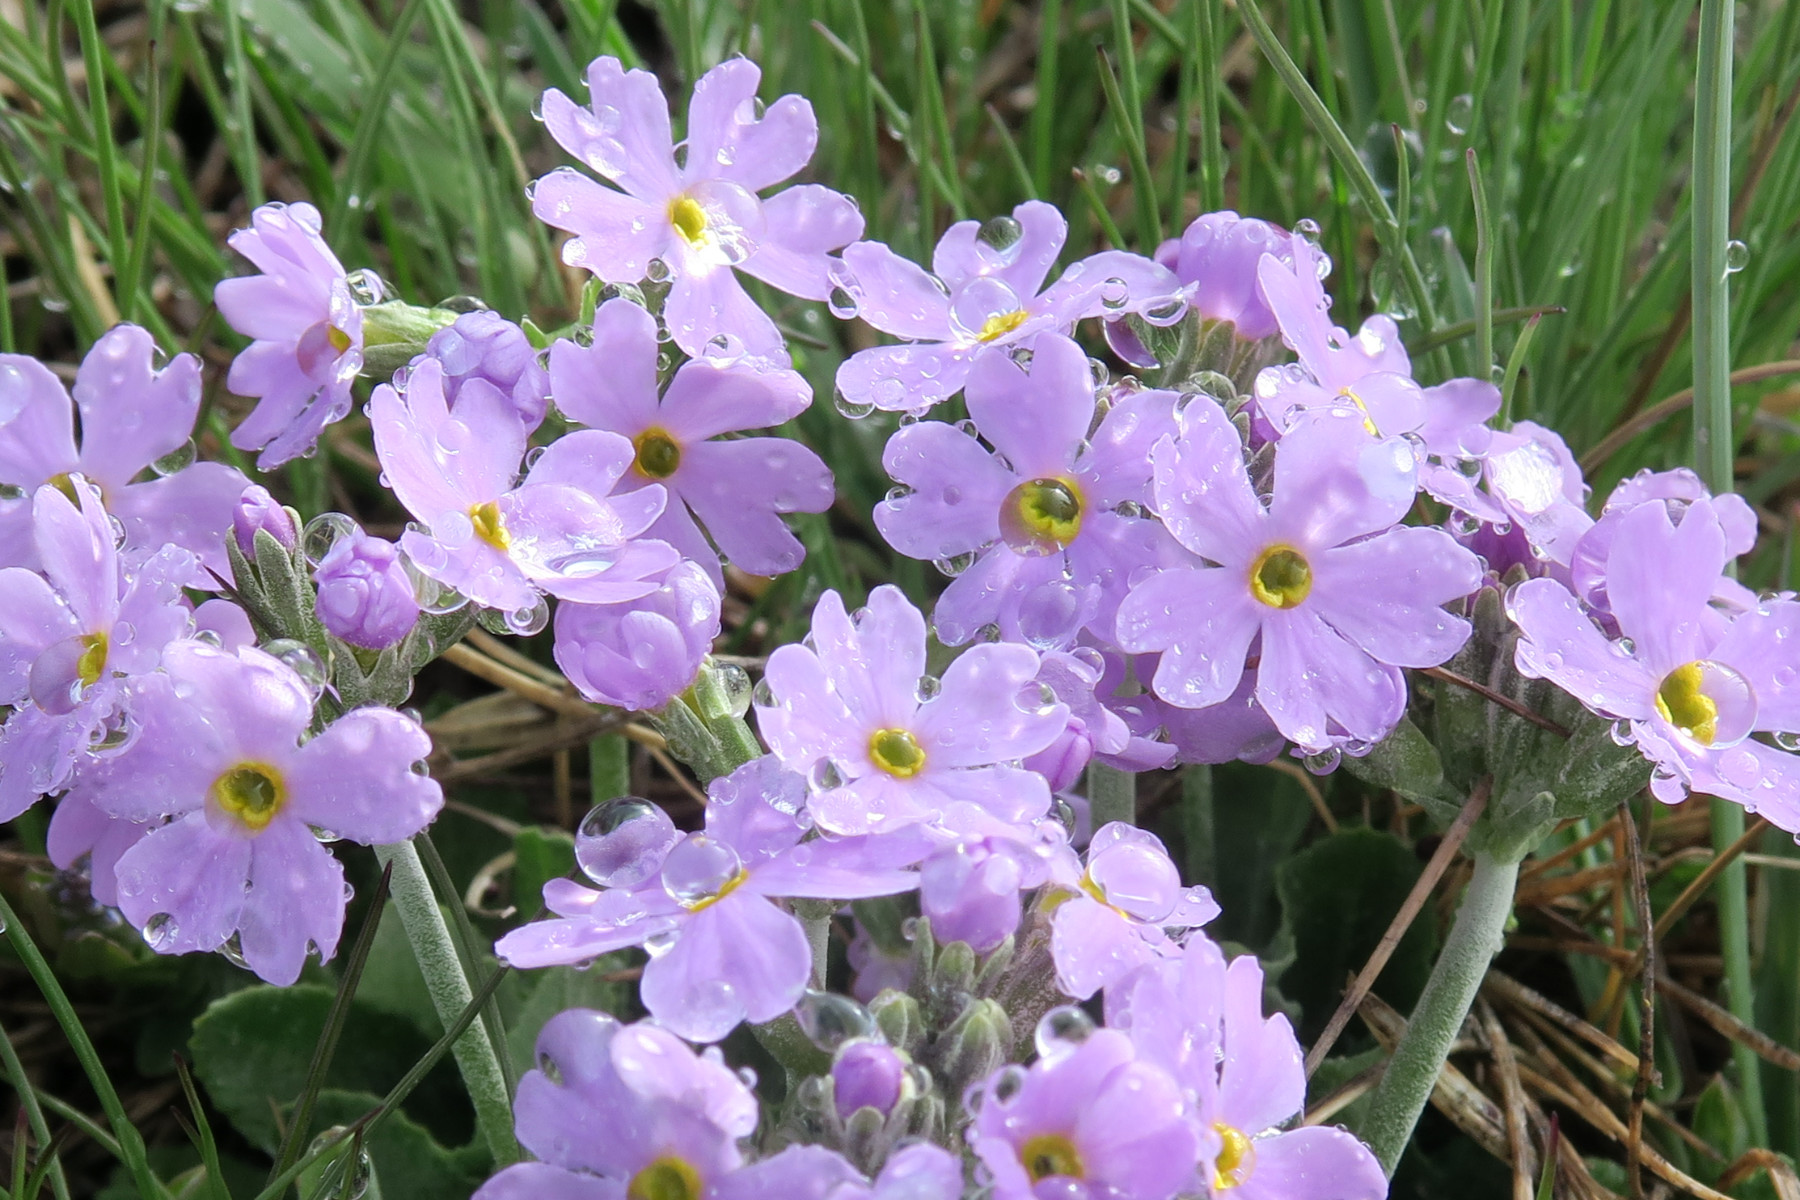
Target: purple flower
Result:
[1110, 917]
[698, 223]
[1041, 514]
[485, 345]
[562, 530]
[1245, 1078]
[307, 333]
[1234, 730]
[736, 487]
[866, 1075]
[67, 638]
[1532, 504]
[640, 654]
[970, 890]
[218, 751]
[365, 595]
[885, 747]
[1080, 679]
[1215, 258]
[132, 415]
[1338, 595]
[721, 951]
[1689, 684]
[1681, 491]
[78, 828]
[257, 509]
[918, 1171]
[1088, 1118]
[623, 1110]
[986, 291]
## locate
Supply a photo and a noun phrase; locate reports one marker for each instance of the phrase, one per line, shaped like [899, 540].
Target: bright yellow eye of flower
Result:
[1001, 324]
[253, 793]
[1050, 1154]
[667, 1178]
[340, 341]
[1041, 516]
[92, 663]
[1683, 703]
[658, 454]
[1237, 1158]
[490, 526]
[1280, 577]
[1368, 421]
[897, 752]
[688, 218]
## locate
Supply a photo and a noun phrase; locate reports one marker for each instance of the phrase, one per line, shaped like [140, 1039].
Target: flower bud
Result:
[866, 1075]
[485, 345]
[1062, 761]
[257, 509]
[970, 892]
[640, 654]
[365, 596]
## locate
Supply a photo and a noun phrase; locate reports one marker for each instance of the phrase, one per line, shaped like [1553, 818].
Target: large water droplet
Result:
[624, 841]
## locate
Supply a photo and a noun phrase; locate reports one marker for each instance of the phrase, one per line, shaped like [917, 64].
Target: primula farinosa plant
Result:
[902, 936]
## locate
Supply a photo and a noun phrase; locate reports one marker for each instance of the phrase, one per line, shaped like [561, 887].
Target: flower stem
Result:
[1412, 1072]
[450, 995]
[1112, 795]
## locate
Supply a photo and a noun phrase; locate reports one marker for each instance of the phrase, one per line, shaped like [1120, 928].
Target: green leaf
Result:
[252, 1049]
[1258, 816]
[540, 855]
[1407, 762]
[1338, 896]
[409, 1162]
[1719, 1120]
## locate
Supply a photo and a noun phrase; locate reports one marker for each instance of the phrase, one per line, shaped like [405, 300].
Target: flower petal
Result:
[131, 413]
[1203, 620]
[615, 235]
[610, 383]
[741, 488]
[1312, 679]
[296, 898]
[727, 139]
[803, 225]
[190, 873]
[1385, 594]
[957, 488]
[356, 778]
[741, 959]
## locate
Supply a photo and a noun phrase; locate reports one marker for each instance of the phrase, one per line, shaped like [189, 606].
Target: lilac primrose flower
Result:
[970, 890]
[78, 829]
[1087, 1118]
[695, 224]
[1041, 515]
[1532, 502]
[722, 951]
[884, 746]
[986, 291]
[307, 331]
[640, 654]
[1077, 678]
[1682, 492]
[1215, 259]
[736, 487]
[1339, 595]
[132, 415]
[485, 345]
[1691, 685]
[917, 1171]
[69, 636]
[257, 509]
[365, 595]
[562, 530]
[1245, 1077]
[218, 752]
[623, 1110]
[1111, 916]
[866, 1074]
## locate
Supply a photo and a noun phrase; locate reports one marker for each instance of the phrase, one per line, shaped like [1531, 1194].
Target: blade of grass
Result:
[1515, 362]
[300, 1122]
[33, 1111]
[1714, 449]
[93, 54]
[241, 127]
[133, 270]
[1044, 112]
[130, 1142]
[1484, 269]
[368, 123]
[468, 944]
[201, 1132]
[1014, 159]
[1143, 184]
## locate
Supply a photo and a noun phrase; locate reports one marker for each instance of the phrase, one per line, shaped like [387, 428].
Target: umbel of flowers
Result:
[1221, 559]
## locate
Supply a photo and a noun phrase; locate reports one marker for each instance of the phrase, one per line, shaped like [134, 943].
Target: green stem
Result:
[1714, 448]
[1112, 795]
[1412, 1072]
[450, 995]
[131, 1145]
[34, 1113]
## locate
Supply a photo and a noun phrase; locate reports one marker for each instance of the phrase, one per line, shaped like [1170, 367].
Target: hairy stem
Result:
[450, 995]
[1112, 794]
[1412, 1072]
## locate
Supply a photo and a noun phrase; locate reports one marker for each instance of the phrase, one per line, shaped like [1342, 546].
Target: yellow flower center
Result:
[251, 792]
[1001, 324]
[1092, 887]
[340, 341]
[897, 752]
[688, 218]
[1368, 421]
[1050, 1154]
[490, 526]
[91, 664]
[1237, 1158]
[1041, 516]
[730, 885]
[668, 1178]
[658, 454]
[1280, 577]
[66, 486]
[1682, 701]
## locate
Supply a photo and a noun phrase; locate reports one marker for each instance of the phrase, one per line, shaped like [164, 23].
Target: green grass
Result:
[130, 145]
